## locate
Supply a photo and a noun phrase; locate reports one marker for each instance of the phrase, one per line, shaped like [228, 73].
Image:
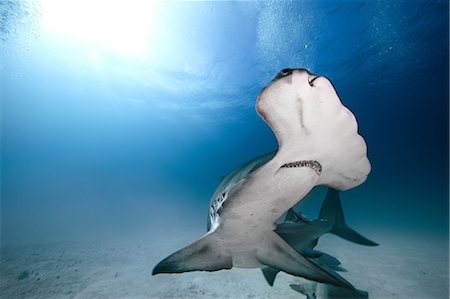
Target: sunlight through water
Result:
[125, 27]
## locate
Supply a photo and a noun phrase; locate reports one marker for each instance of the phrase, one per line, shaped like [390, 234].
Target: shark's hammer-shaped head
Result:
[311, 123]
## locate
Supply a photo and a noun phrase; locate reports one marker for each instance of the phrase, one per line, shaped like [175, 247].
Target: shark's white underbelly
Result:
[251, 210]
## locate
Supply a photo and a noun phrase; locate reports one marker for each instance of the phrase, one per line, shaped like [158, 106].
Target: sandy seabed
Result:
[403, 266]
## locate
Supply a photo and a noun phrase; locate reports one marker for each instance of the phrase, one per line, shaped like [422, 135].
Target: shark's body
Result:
[313, 150]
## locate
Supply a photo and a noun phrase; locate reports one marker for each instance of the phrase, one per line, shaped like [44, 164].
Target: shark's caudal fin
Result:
[203, 255]
[277, 254]
[331, 211]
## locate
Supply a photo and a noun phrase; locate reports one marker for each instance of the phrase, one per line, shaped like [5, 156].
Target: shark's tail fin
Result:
[332, 212]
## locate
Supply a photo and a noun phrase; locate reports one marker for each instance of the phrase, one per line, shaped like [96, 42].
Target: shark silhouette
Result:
[318, 143]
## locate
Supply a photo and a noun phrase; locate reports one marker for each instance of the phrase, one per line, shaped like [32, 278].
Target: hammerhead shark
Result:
[318, 144]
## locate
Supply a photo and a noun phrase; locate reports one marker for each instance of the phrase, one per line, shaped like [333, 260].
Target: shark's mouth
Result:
[314, 165]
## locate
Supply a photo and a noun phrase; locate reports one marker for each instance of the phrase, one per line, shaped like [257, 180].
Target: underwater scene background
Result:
[119, 118]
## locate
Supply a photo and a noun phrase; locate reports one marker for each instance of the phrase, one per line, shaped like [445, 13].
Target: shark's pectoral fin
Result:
[276, 253]
[203, 255]
[270, 274]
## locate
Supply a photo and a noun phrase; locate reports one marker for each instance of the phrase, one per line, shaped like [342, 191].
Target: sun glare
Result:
[122, 26]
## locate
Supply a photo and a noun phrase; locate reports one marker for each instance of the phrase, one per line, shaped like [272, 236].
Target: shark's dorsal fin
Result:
[203, 255]
[276, 253]
[270, 274]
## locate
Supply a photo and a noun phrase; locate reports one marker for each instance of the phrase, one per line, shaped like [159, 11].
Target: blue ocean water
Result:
[126, 117]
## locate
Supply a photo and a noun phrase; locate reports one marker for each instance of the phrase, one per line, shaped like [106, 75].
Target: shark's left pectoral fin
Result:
[276, 253]
[203, 255]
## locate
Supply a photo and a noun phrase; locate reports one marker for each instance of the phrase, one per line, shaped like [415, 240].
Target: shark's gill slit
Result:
[314, 165]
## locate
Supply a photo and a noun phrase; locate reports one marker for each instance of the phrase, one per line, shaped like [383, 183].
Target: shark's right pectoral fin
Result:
[203, 255]
[276, 253]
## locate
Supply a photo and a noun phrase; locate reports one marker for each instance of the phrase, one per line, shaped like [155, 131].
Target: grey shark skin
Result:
[303, 234]
[318, 145]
